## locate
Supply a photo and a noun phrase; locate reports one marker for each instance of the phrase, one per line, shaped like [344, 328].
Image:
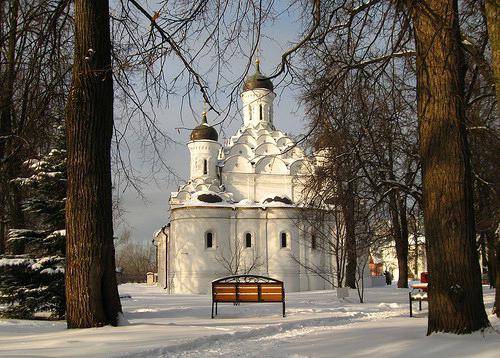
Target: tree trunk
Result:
[403, 245]
[6, 102]
[455, 292]
[496, 308]
[350, 225]
[91, 293]
[400, 234]
[492, 10]
[491, 258]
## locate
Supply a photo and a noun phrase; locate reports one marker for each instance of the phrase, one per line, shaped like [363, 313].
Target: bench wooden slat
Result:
[272, 289]
[271, 298]
[249, 298]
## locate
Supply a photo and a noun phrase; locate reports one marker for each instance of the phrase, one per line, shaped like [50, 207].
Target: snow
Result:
[14, 262]
[52, 271]
[317, 324]
[57, 233]
[44, 261]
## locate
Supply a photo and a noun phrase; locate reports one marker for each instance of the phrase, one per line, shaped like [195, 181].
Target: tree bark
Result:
[402, 250]
[400, 235]
[496, 307]
[6, 102]
[455, 291]
[350, 225]
[491, 257]
[91, 292]
[492, 11]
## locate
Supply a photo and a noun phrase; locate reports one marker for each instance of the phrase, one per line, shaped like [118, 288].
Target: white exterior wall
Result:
[252, 101]
[258, 187]
[193, 266]
[200, 151]
[160, 241]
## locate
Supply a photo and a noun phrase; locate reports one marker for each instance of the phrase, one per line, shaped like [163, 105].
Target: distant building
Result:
[240, 210]
[384, 258]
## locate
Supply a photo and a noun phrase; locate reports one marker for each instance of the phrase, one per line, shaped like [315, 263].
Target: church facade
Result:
[240, 211]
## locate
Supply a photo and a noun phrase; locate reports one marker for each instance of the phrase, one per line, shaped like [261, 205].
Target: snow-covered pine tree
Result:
[33, 276]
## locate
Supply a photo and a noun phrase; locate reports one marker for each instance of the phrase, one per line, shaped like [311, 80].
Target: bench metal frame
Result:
[246, 279]
[412, 298]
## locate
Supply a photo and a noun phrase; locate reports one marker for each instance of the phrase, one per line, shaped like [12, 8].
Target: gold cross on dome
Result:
[204, 113]
[258, 51]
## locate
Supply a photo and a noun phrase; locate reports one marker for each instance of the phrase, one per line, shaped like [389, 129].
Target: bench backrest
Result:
[268, 290]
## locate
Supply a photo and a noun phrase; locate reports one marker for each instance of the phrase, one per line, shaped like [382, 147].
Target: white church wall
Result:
[257, 106]
[256, 187]
[271, 165]
[238, 164]
[266, 138]
[267, 148]
[241, 149]
[194, 265]
[160, 241]
[201, 151]
[281, 264]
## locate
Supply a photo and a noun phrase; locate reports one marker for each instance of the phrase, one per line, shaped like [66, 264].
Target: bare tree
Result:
[134, 258]
[237, 259]
[322, 230]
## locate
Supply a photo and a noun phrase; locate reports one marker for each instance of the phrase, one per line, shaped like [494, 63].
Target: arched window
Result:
[313, 242]
[248, 240]
[209, 240]
[283, 239]
[260, 112]
[205, 166]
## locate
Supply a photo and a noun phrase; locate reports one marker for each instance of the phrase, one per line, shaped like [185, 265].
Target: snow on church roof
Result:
[252, 150]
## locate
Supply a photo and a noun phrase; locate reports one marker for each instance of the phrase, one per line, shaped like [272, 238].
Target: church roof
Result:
[257, 80]
[204, 131]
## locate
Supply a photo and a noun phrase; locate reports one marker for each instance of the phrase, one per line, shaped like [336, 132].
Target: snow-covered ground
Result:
[317, 325]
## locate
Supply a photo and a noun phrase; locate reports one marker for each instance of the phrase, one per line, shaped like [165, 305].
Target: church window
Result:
[209, 238]
[248, 240]
[313, 242]
[205, 166]
[260, 112]
[283, 239]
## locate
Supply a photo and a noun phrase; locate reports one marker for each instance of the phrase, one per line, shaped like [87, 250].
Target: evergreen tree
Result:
[33, 276]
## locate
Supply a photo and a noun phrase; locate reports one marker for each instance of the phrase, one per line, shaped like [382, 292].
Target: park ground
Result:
[317, 324]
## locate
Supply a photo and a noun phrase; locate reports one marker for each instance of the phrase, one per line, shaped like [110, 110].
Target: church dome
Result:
[204, 131]
[257, 81]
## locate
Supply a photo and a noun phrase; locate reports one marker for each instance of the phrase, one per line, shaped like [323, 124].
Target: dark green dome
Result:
[204, 131]
[257, 80]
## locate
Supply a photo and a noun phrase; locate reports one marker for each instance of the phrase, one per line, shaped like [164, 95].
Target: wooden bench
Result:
[418, 293]
[247, 288]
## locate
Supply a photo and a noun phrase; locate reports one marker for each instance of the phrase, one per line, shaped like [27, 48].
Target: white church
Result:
[240, 210]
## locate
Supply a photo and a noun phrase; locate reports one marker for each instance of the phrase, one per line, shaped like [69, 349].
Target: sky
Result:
[144, 214]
